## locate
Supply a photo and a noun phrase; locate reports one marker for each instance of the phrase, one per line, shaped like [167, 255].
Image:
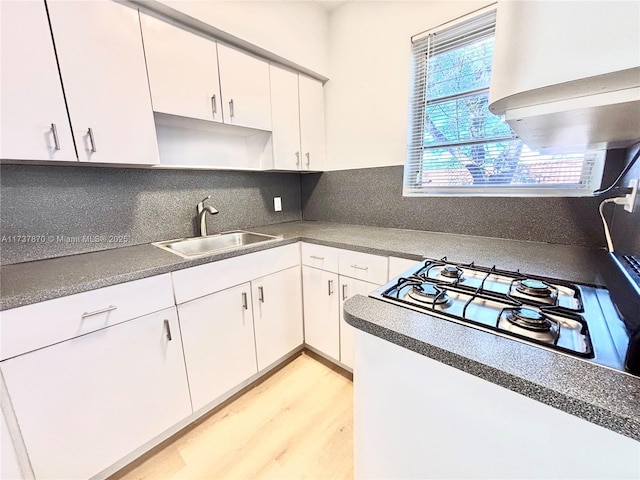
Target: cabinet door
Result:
[84, 404]
[285, 115]
[183, 71]
[103, 71]
[277, 309]
[311, 123]
[244, 81]
[33, 111]
[321, 310]
[219, 346]
[348, 288]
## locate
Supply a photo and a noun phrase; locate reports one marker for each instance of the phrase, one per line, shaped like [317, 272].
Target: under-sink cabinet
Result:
[219, 342]
[330, 277]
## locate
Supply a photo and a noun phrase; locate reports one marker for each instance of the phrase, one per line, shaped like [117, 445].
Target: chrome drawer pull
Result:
[245, 304]
[316, 258]
[261, 294]
[56, 140]
[297, 159]
[330, 287]
[168, 327]
[92, 140]
[308, 159]
[344, 291]
[214, 106]
[359, 268]
[232, 113]
[98, 312]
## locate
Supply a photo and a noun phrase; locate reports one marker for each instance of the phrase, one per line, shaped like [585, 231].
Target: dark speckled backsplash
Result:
[373, 196]
[69, 209]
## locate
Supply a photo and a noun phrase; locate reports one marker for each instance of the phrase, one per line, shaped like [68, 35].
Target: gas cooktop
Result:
[549, 313]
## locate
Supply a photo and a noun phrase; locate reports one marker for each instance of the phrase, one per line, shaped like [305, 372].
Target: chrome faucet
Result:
[202, 215]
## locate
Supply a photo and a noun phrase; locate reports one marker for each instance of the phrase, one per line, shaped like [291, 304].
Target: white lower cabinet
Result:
[85, 403]
[219, 344]
[277, 312]
[321, 311]
[348, 288]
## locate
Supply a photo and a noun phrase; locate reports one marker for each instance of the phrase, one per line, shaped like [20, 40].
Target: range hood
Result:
[567, 74]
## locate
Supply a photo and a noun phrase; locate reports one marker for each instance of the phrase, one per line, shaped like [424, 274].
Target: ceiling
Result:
[330, 5]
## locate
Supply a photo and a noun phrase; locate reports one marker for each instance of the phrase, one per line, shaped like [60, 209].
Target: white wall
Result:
[367, 95]
[295, 30]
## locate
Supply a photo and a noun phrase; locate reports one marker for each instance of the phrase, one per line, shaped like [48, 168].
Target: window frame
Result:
[412, 187]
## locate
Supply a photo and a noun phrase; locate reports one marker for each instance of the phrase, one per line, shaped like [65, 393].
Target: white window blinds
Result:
[457, 146]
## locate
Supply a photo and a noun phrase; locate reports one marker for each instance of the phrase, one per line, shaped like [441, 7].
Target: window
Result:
[457, 146]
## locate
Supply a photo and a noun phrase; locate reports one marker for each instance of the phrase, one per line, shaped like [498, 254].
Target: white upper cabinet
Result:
[183, 71]
[285, 113]
[33, 124]
[568, 73]
[297, 104]
[244, 81]
[99, 47]
[311, 123]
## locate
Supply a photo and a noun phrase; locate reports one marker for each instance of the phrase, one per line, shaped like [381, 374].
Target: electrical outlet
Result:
[277, 204]
[631, 197]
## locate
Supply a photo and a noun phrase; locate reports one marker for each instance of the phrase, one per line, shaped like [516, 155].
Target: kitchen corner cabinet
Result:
[244, 82]
[330, 277]
[321, 306]
[348, 288]
[311, 123]
[183, 71]
[87, 402]
[102, 65]
[297, 104]
[277, 310]
[33, 119]
[219, 343]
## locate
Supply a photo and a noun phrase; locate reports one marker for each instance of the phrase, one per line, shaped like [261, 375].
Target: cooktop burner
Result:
[529, 319]
[428, 293]
[537, 288]
[451, 271]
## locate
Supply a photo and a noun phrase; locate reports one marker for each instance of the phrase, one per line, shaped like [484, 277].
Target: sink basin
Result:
[201, 246]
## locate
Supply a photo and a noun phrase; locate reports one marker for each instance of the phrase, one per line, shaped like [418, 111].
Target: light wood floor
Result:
[296, 424]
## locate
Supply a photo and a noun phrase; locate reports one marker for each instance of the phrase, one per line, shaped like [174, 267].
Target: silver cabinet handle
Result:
[56, 140]
[261, 294]
[308, 155]
[231, 112]
[98, 312]
[245, 304]
[168, 328]
[214, 105]
[344, 291]
[297, 159]
[92, 140]
[316, 257]
[330, 285]
[359, 268]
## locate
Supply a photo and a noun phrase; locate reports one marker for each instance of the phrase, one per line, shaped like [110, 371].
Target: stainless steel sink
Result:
[201, 246]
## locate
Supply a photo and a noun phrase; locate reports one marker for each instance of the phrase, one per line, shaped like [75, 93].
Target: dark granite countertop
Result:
[602, 396]
[31, 282]
[597, 394]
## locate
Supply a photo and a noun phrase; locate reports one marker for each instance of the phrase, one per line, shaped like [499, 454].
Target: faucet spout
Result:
[202, 215]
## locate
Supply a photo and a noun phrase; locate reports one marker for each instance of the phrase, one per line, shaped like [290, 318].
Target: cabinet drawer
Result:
[212, 277]
[319, 256]
[363, 266]
[41, 324]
